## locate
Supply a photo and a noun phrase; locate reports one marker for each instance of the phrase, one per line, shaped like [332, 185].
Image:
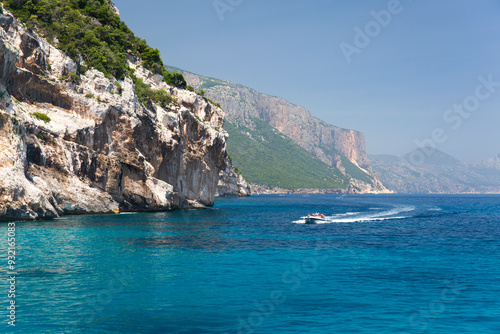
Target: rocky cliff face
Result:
[324, 141]
[86, 145]
[242, 104]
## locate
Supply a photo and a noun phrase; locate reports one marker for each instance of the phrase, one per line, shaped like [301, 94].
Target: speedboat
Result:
[315, 219]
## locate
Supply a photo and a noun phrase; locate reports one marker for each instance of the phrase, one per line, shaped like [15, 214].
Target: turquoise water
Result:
[384, 264]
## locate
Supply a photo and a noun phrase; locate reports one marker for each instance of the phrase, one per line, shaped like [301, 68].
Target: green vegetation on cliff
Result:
[145, 94]
[41, 116]
[267, 157]
[91, 31]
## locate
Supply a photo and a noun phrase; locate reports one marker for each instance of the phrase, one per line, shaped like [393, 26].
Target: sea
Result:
[380, 264]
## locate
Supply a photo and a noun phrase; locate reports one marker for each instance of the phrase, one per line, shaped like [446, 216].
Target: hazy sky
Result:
[406, 70]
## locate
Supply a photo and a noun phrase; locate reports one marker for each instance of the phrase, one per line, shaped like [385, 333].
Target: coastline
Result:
[260, 189]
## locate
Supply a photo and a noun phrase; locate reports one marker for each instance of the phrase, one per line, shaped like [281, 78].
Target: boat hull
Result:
[314, 220]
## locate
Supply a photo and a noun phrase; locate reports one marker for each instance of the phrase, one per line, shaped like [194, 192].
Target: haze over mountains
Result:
[437, 173]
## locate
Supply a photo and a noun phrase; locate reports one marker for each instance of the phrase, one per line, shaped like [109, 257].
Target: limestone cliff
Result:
[85, 144]
[342, 149]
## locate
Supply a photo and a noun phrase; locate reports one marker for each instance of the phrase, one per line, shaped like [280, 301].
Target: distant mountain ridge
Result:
[491, 163]
[342, 150]
[438, 172]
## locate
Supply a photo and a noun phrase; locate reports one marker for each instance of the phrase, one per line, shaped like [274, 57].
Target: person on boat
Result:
[323, 215]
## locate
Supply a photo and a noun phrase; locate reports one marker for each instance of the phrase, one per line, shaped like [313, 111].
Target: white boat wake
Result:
[356, 217]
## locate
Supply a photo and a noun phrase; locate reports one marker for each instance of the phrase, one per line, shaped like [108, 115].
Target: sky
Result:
[405, 73]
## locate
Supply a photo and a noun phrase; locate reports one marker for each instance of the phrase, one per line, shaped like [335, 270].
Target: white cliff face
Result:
[102, 151]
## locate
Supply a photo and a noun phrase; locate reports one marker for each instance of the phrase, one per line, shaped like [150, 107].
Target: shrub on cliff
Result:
[175, 79]
[42, 117]
[150, 58]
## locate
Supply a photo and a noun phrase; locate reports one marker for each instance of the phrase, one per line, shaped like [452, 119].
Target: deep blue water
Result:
[385, 264]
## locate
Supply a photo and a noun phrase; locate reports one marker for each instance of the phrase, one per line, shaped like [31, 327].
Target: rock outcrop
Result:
[89, 146]
[231, 183]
